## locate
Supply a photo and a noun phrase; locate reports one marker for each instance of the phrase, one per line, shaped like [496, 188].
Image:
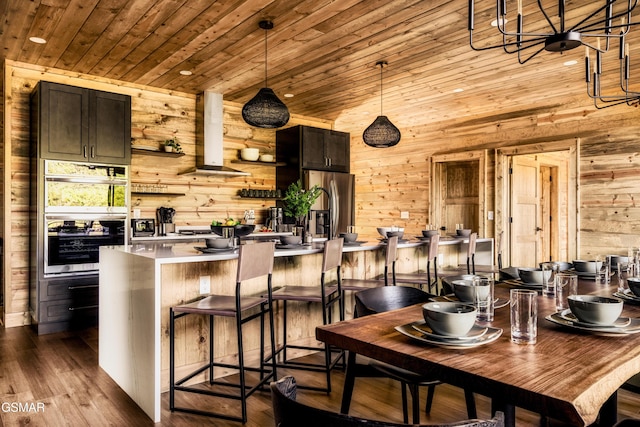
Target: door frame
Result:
[479, 156]
[502, 201]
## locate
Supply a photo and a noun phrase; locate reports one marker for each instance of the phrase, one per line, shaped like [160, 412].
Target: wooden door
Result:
[460, 194]
[525, 212]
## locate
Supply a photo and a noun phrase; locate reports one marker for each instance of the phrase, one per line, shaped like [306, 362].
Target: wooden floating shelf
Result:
[155, 153]
[148, 193]
[247, 162]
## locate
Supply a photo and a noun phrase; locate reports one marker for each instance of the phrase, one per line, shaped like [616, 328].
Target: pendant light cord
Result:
[381, 66]
[265, 58]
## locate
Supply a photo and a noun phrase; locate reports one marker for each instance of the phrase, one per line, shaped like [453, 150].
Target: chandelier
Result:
[550, 26]
[265, 110]
[594, 89]
[381, 133]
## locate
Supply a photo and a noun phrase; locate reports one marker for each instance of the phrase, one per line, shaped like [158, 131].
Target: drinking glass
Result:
[524, 316]
[566, 284]
[549, 270]
[603, 270]
[623, 273]
[483, 298]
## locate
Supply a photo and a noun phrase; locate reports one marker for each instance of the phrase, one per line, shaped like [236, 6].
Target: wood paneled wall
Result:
[607, 215]
[388, 181]
[156, 115]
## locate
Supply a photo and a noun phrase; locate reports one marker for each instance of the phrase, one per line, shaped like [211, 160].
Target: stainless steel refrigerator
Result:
[334, 211]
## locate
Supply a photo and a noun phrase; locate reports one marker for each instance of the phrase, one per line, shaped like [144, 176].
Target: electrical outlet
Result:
[490, 215]
[136, 213]
[205, 285]
[404, 215]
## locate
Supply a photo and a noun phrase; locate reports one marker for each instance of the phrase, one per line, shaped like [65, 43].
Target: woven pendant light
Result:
[381, 133]
[265, 110]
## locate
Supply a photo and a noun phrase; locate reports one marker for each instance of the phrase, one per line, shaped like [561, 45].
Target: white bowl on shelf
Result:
[268, 158]
[250, 154]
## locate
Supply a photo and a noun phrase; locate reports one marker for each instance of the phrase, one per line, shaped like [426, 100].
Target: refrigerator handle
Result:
[335, 212]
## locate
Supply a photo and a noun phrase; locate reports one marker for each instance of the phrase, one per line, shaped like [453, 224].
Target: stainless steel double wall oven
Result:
[80, 207]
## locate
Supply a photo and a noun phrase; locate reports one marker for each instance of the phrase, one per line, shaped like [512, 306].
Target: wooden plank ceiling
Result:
[322, 51]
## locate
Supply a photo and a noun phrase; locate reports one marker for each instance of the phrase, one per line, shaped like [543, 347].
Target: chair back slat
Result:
[332, 254]
[255, 260]
[471, 249]
[434, 241]
[392, 251]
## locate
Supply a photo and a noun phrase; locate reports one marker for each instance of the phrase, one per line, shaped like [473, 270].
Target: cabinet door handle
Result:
[86, 307]
[93, 154]
[72, 288]
[329, 161]
[84, 151]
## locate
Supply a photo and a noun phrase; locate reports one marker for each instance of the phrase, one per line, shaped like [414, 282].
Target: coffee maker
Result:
[275, 218]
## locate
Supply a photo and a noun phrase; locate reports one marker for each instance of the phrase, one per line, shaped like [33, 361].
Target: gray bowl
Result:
[634, 285]
[395, 233]
[349, 237]
[290, 240]
[383, 230]
[464, 232]
[217, 243]
[615, 259]
[585, 266]
[562, 265]
[532, 275]
[595, 309]
[429, 233]
[449, 318]
[465, 291]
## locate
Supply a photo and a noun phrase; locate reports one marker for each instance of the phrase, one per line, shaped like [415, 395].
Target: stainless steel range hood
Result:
[209, 138]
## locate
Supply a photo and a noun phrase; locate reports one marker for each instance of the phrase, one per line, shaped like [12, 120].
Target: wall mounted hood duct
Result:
[209, 138]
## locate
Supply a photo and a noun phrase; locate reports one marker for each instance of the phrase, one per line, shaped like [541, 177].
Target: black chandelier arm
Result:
[560, 14]
[524, 61]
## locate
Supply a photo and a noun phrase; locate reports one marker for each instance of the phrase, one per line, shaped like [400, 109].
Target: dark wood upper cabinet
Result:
[313, 148]
[78, 124]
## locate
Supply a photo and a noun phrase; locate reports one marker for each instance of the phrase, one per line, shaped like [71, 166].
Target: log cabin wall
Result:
[607, 215]
[156, 115]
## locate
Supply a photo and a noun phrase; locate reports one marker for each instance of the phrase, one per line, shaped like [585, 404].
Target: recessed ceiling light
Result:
[502, 21]
[458, 90]
[288, 95]
[186, 72]
[570, 63]
[38, 40]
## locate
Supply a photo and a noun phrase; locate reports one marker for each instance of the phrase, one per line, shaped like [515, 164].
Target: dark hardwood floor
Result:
[58, 377]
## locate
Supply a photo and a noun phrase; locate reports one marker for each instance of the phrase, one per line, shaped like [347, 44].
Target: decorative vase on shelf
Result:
[168, 149]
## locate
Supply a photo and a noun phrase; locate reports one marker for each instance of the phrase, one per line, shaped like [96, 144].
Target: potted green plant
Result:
[172, 146]
[298, 201]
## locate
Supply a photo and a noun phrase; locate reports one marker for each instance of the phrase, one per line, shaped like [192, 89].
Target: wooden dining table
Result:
[568, 375]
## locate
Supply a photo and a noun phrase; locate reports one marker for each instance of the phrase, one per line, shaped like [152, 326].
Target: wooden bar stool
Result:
[327, 295]
[419, 277]
[390, 257]
[254, 260]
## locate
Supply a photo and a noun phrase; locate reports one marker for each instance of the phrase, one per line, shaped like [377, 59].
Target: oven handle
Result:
[86, 307]
[72, 288]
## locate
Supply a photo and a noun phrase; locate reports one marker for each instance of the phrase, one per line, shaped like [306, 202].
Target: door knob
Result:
[538, 229]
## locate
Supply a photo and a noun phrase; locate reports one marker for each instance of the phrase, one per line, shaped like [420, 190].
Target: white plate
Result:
[566, 314]
[632, 328]
[497, 302]
[281, 246]
[629, 294]
[489, 337]
[475, 332]
[520, 284]
[206, 250]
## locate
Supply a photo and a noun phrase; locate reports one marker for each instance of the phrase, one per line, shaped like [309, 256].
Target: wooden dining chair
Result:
[378, 300]
[288, 412]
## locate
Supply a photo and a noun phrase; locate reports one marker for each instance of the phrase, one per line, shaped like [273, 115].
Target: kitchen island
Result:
[138, 284]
